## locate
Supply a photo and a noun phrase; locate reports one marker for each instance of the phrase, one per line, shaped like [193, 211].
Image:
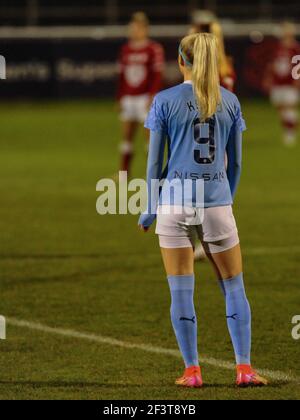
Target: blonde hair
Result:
[200, 53]
[214, 27]
[140, 18]
[225, 66]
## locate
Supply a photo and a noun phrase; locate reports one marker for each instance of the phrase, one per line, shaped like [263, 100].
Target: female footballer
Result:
[141, 63]
[200, 122]
[283, 88]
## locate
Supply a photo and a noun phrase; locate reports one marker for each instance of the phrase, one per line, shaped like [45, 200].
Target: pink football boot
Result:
[192, 378]
[247, 377]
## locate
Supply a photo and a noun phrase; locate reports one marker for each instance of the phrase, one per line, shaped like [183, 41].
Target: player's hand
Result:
[144, 229]
[146, 220]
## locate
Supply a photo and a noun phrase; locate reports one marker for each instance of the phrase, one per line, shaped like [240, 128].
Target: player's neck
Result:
[288, 43]
[139, 43]
[187, 77]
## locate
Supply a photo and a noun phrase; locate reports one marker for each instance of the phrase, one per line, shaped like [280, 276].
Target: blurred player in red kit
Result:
[279, 82]
[141, 64]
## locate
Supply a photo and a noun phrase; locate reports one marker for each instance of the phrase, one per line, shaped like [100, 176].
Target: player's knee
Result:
[126, 147]
[290, 116]
[180, 270]
[230, 274]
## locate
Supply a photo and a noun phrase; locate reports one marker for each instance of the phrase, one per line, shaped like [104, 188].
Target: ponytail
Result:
[201, 52]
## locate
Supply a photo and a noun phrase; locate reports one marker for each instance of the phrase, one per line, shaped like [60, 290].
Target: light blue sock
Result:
[183, 317]
[238, 318]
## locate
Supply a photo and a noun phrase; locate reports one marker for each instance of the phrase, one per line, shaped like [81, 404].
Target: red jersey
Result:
[228, 81]
[282, 66]
[228, 76]
[140, 69]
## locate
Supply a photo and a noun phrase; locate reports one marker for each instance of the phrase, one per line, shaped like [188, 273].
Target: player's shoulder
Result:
[231, 106]
[297, 47]
[229, 97]
[169, 94]
[125, 47]
[155, 46]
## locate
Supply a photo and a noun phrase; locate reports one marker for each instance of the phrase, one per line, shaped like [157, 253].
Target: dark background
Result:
[68, 49]
[100, 12]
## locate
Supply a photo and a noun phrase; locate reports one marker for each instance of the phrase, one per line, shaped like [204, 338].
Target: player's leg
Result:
[286, 99]
[199, 254]
[129, 126]
[228, 265]
[177, 250]
[177, 261]
[129, 129]
[225, 255]
[290, 122]
[179, 265]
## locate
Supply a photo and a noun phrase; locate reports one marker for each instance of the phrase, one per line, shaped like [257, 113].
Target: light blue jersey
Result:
[197, 150]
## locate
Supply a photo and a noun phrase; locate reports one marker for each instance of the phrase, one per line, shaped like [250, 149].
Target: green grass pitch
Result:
[64, 266]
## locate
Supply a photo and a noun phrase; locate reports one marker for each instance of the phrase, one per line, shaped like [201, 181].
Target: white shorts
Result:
[134, 108]
[284, 96]
[179, 227]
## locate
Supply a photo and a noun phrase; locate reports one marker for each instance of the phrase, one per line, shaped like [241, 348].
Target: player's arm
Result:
[154, 175]
[234, 150]
[234, 156]
[156, 123]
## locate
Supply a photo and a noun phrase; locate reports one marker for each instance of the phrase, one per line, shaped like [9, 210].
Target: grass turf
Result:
[65, 266]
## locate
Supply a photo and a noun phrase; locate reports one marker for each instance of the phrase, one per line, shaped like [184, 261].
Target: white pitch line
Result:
[275, 375]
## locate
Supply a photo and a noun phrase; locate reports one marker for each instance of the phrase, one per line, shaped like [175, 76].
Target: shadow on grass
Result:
[79, 384]
[65, 384]
[61, 256]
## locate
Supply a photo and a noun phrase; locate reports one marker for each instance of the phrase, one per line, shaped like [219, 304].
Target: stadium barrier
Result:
[81, 62]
